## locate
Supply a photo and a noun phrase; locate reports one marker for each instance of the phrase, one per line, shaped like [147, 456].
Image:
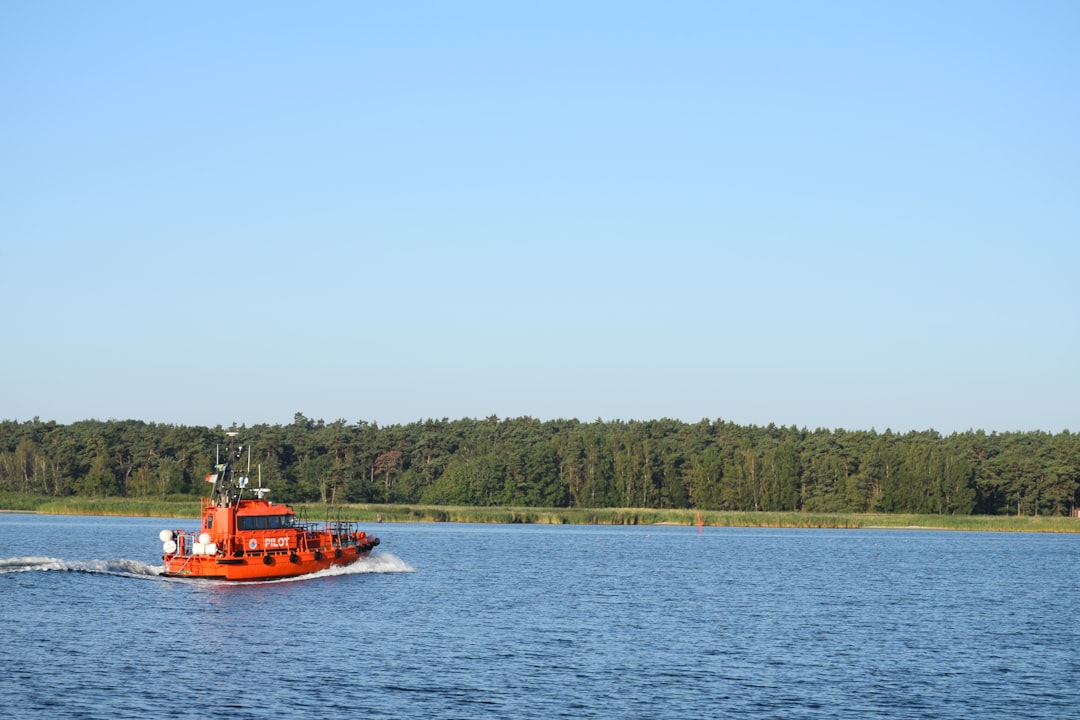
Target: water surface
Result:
[471, 621]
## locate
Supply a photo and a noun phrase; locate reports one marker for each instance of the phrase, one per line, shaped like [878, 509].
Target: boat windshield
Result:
[265, 522]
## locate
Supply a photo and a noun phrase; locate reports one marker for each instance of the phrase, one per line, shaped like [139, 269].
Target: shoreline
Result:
[376, 514]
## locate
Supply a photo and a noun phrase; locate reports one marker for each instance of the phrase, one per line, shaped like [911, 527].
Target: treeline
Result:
[709, 465]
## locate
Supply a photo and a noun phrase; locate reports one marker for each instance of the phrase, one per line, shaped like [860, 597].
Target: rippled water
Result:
[470, 621]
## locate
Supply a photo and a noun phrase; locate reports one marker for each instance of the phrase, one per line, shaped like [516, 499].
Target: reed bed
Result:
[711, 518]
[186, 507]
[180, 506]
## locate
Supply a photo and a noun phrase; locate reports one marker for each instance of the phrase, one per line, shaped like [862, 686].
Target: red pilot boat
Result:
[244, 536]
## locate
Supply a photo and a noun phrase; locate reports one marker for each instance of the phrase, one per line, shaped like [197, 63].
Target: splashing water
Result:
[127, 568]
[381, 563]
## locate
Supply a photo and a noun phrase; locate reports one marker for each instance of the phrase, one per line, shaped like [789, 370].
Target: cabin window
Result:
[209, 521]
[264, 522]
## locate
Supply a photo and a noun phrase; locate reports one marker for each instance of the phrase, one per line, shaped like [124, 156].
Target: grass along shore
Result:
[185, 507]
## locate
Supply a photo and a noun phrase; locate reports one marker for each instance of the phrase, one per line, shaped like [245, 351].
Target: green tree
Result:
[100, 480]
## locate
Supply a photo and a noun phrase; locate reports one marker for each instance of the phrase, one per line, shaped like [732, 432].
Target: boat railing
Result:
[335, 533]
[184, 542]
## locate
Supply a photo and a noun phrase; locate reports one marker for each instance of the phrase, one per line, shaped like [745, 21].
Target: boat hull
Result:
[260, 566]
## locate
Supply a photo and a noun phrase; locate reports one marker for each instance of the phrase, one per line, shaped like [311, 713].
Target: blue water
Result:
[480, 621]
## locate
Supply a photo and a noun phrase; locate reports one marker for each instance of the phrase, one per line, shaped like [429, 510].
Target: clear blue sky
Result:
[822, 214]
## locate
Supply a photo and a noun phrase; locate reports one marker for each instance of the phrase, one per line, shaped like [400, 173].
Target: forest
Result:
[525, 462]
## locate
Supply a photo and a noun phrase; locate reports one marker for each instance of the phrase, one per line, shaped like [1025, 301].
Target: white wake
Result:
[127, 568]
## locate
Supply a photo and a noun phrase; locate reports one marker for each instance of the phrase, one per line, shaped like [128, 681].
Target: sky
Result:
[858, 215]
